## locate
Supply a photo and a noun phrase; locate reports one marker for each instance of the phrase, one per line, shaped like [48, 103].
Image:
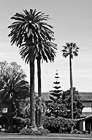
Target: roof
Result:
[85, 118]
[85, 96]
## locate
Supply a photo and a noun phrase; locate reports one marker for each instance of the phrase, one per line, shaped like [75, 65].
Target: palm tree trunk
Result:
[32, 94]
[39, 87]
[71, 88]
[39, 75]
[10, 125]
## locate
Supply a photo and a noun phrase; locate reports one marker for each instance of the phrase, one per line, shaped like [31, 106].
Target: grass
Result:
[48, 137]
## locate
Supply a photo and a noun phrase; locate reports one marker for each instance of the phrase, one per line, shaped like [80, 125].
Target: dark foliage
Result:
[33, 131]
[58, 125]
[75, 131]
[54, 104]
[58, 115]
[77, 103]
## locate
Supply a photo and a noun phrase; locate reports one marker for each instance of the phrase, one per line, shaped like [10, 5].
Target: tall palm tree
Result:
[30, 32]
[70, 50]
[49, 55]
[49, 49]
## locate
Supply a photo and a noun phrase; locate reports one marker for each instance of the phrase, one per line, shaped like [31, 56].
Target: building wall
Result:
[87, 107]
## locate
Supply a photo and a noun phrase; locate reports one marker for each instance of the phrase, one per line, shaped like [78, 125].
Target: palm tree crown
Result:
[13, 80]
[70, 49]
[12, 84]
[30, 31]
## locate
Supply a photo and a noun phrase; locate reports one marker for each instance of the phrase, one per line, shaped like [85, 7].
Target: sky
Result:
[72, 22]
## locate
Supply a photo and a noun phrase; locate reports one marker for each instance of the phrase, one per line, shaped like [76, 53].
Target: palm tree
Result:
[70, 50]
[30, 32]
[49, 55]
[13, 89]
[49, 49]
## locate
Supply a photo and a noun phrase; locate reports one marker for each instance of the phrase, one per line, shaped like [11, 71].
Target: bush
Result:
[60, 124]
[43, 131]
[75, 131]
[85, 132]
[26, 131]
[32, 131]
[78, 132]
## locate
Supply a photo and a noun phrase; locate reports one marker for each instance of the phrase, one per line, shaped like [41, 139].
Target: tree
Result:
[13, 87]
[39, 109]
[54, 104]
[70, 50]
[77, 104]
[50, 50]
[12, 80]
[56, 93]
[49, 55]
[58, 115]
[32, 35]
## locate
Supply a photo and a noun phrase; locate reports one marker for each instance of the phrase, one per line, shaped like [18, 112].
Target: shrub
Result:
[84, 132]
[43, 131]
[31, 131]
[78, 132]
[26, 131]
[62, 124]
[74, 131]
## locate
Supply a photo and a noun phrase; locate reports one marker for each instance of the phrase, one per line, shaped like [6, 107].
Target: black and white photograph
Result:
[46, 69]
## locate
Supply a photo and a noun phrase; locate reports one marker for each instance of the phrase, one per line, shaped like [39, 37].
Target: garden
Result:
[22, 110]
[51, 116]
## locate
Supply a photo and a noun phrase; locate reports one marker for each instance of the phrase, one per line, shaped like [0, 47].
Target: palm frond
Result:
[31, 29]
[65, 54]
[70, 49]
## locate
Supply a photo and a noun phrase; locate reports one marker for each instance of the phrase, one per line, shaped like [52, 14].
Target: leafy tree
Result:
[58, 115]
[70, 50]
[33, 36]
[13, 87]
[77, 104]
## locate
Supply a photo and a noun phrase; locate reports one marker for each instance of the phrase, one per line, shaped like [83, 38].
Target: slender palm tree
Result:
[70, 50]
[49, 49]
[30, 32]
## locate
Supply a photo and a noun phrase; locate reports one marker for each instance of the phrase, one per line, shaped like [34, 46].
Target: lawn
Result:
[48, 137]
